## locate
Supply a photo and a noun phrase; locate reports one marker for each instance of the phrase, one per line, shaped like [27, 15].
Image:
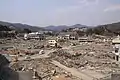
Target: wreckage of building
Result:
[75, 60]
[116, 46]
[52, 43]
[68, 36]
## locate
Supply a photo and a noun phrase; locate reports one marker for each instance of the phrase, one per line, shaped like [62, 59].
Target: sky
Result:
[60, 12]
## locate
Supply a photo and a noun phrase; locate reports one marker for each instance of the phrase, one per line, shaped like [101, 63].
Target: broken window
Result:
[116, 50]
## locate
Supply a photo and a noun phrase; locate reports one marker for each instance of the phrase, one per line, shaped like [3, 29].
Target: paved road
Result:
[85, 75]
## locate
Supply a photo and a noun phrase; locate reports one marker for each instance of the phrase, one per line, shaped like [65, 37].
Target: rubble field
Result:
[45, 69]
[88, 56]
[96, 57]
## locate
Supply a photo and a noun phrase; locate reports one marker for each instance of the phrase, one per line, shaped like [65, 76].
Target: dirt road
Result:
[85, 75]
[37, 56]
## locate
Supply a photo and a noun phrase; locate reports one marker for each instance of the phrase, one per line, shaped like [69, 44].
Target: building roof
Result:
[67, 33]
[116, 40]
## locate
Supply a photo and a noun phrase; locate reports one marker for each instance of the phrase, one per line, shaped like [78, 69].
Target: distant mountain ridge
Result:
[114, 27]
[107, 29]
[19, 26]
[63, 27]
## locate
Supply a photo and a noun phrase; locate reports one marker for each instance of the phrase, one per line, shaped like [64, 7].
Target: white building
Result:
[52, 43]
[116, 46]
[34, 35]
[64, 36]
[68, 36]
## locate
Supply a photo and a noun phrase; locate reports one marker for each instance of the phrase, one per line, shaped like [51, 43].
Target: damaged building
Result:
[34, 35]
[68, 36]
[116, 46]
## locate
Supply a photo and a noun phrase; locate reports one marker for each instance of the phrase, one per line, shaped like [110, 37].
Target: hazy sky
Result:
[60, 12]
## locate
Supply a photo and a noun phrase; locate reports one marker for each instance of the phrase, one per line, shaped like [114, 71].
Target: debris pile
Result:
[82, 56]
[68, 59]
[44, 68]
[95, 60]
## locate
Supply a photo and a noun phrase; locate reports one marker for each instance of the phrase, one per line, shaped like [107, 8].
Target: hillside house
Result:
[84, 29]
